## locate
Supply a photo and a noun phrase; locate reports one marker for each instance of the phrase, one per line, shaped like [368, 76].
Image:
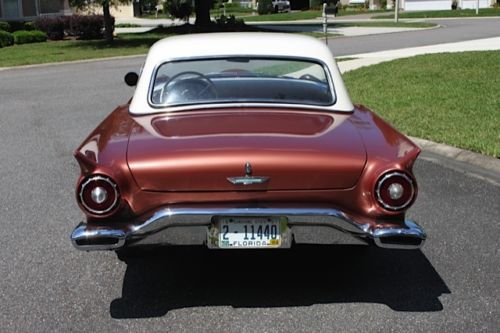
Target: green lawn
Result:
[384, 24]
[446, 13]
[304, 15]
[292, 16]
[317, 34]
[67, 50]
[450, 98]
[56, 51]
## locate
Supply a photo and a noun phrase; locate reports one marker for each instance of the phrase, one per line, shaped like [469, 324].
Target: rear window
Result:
[241, 80]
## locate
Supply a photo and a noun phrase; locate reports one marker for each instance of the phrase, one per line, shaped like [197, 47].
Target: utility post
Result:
[477, 7]
[396, 11]
[325, 23]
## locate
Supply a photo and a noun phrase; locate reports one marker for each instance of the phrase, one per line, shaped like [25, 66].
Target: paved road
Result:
[454, 30]
[45, 285]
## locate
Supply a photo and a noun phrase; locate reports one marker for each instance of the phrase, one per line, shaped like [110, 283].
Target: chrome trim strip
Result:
[411, 230]
[188, 216]
[247, 180]
[83, 233]
[173, 108]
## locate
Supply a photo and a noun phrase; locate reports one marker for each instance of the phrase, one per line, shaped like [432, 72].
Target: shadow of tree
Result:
[133, 40]
[172, 278]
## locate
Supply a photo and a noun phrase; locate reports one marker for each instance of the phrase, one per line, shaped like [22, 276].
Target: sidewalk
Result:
[368, 59]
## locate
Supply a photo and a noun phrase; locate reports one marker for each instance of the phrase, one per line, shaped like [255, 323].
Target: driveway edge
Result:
[462, 155]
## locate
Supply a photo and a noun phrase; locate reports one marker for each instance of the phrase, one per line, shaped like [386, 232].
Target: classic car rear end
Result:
[244, 144]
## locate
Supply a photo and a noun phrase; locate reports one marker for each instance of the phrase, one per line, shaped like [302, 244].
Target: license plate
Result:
[249, 232]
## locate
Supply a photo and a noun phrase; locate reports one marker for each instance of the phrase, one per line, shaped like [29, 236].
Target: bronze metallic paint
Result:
[297, 150]
[341, 154]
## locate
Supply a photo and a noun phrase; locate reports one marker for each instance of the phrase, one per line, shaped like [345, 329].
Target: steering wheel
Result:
[195, 87]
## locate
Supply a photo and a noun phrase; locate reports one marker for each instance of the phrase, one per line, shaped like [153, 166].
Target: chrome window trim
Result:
[181, 107]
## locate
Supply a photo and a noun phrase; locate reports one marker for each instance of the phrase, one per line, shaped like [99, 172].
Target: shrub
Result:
[233, 6]
[87, 26]
[16, 25]
[229, 23]
[6, 39]
[29, 26]
[265, 7]
[316, 4]
[26, 37]
[4, 26]
[180, 9]
[52, 26]
[127, 25]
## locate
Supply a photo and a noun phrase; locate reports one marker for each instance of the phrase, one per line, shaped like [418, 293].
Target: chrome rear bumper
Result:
[89, 237]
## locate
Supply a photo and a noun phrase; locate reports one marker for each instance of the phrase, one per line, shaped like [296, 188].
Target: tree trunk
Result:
[108, 22]
[202, 8]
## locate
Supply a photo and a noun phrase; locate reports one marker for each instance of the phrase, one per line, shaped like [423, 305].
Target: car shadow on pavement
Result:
[158, 281]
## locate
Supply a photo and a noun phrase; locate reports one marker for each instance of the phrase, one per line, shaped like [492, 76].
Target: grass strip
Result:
[383, 24]
[68, 50]
[291, 16]
[445, 13]
[450, 98]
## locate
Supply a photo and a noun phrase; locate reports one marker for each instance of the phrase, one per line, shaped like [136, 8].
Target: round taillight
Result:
[395, 191]
[98, 195]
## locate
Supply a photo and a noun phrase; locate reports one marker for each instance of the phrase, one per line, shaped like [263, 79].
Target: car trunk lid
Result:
[203, 150]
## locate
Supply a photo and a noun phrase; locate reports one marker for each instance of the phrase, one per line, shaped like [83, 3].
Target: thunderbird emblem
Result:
[248, 179]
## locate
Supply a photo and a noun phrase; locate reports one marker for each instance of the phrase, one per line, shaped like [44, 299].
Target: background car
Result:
[281, 6]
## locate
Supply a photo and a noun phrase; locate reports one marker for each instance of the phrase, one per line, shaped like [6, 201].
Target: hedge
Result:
[6, 39]
[52, 26]
[81, 26]
[4, 26]
[87, 26]
[26, 37]
[265, 7]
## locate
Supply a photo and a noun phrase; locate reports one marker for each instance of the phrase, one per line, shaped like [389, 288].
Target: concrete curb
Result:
[462, 155]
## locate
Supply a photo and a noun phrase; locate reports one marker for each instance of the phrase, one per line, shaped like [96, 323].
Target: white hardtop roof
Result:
[234, 44]
[237, 44]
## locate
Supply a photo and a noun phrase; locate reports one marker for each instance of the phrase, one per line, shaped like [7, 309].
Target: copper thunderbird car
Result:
[244, 141]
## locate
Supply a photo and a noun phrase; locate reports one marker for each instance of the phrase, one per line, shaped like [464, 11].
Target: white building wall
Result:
[471, 4]
[426, 5]
[412, 5]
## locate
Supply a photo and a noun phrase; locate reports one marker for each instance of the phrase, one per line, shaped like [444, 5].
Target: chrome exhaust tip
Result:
[95, 238]
[409, 237]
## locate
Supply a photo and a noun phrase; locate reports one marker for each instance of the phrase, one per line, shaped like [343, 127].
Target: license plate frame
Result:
[228, 232]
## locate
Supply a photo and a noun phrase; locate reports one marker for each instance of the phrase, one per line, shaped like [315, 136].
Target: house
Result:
[415, 5]
[29, 9]
[25, 10]
[442, 4]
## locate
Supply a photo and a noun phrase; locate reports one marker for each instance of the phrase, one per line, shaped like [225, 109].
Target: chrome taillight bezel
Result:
[386, 177]
[113, 186]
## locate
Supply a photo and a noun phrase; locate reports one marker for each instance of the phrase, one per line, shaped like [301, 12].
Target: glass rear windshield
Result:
[241, 80]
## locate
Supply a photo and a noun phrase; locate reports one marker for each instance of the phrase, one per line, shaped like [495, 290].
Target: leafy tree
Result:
[180, 9]
[202, 9]
[265, 7]
[108, 21]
